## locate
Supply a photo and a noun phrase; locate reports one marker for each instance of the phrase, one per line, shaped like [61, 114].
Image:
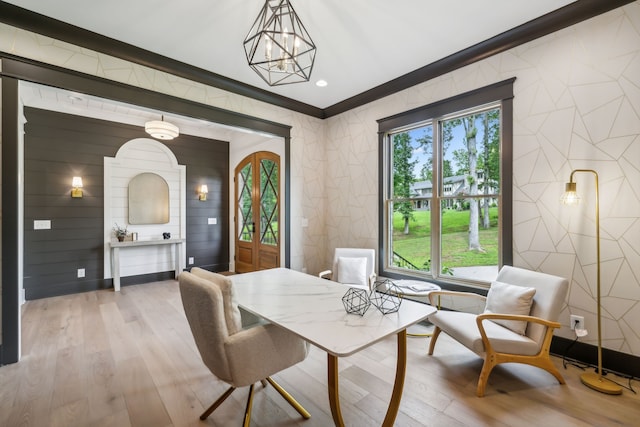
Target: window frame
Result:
[498, 93]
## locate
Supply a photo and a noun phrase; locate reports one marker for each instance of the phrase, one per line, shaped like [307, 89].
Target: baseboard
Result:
[93, 285]
[146, 278]
[66, 288]
[614, 361]
[211, 267]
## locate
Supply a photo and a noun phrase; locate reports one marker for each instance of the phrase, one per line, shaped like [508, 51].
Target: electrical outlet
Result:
[80, 272]
[577, 322]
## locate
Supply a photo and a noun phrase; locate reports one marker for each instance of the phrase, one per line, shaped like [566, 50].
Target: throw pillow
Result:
[504, 298]
[352, 271]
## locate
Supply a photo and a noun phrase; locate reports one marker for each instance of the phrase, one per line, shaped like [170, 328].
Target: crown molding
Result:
[564, 17]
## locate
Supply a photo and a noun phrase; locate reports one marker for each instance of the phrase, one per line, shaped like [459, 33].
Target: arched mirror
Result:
[148, 199]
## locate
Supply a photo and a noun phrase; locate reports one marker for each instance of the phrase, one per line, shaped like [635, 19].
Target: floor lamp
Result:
[594, 380]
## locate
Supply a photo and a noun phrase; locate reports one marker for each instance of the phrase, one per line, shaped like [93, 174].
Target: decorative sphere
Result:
[386, 296]
[356, 301]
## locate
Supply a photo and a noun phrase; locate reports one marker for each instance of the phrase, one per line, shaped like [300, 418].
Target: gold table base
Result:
[398, 385]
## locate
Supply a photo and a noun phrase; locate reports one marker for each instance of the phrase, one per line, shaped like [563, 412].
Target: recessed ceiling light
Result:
[321, 83]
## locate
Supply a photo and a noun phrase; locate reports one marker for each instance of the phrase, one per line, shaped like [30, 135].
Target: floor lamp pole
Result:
[594, 380]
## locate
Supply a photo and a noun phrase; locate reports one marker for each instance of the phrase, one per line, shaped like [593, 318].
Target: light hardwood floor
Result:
[128, 359]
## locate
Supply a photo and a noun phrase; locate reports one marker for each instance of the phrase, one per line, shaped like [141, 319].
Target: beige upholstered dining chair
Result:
[521, 312]
[353, 267]
[239, 357]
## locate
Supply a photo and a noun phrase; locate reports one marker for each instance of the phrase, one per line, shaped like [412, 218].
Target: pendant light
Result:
[160, 129]
[278, 46]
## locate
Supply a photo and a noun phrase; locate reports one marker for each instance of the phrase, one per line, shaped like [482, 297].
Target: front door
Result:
[257, 212]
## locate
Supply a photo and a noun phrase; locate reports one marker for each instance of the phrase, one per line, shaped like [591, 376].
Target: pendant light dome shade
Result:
[161, 130]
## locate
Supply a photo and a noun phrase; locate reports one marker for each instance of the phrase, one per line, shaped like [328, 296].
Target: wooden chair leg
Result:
[434, 338]
[547, 365]
[217, 403]
[487, 367]
[247, 411]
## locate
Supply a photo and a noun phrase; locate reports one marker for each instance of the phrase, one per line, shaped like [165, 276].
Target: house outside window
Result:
[445, 205]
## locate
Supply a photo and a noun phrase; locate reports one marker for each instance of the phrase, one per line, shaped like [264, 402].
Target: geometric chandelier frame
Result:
[278, 47]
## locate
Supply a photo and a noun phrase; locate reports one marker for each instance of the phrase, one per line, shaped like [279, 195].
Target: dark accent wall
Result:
[207, 162]
[59, 146]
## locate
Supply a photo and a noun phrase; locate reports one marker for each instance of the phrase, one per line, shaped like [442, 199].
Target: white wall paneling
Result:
[135, 157]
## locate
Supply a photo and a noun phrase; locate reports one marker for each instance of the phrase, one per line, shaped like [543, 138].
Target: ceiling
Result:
[361, 44]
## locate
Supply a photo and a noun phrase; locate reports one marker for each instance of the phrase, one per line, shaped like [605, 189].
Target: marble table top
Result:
[312, 308]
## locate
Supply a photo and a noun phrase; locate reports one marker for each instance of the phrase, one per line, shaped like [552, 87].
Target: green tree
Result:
[425, 172]
[403, 176]
[490, 160]
[426, 143]
[447, 171]
[470, 134]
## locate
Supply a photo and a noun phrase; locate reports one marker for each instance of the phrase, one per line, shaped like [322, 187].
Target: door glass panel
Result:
[245, 208]
[268, 202]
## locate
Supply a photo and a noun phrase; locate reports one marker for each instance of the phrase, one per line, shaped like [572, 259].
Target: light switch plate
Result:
[191, 260]
[212, 221]
[80, 272]
[42, 224]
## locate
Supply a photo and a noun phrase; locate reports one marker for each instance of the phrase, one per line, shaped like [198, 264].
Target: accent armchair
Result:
[353, 267]
[521, 313]
[239, 357]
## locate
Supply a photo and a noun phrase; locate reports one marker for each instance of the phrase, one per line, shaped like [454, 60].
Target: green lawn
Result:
[415, 246]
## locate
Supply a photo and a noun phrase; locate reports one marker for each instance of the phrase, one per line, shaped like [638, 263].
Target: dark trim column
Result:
[10, 298]
[287, 201]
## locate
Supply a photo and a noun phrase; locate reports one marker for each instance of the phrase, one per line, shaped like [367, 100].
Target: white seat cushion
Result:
[463, 328]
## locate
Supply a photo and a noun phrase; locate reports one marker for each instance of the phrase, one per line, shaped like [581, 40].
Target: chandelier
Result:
[278, 46]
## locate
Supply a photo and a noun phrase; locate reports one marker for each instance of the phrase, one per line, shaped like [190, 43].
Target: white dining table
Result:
[312, 308]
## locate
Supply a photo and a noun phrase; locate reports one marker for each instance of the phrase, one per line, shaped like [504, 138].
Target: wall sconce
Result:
[76, 183]
[202, 192]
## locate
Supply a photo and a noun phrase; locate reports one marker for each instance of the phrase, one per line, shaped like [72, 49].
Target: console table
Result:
[178, 259]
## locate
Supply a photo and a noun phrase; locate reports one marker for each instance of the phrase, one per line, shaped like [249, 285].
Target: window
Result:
[445, 208]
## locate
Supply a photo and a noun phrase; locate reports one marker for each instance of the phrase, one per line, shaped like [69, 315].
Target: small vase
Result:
[120, 238]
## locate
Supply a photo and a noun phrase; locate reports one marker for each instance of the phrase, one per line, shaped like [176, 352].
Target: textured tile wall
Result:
[577, 105]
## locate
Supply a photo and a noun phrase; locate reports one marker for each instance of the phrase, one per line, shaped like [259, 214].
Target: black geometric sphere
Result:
[356, 301]
[386, 296]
